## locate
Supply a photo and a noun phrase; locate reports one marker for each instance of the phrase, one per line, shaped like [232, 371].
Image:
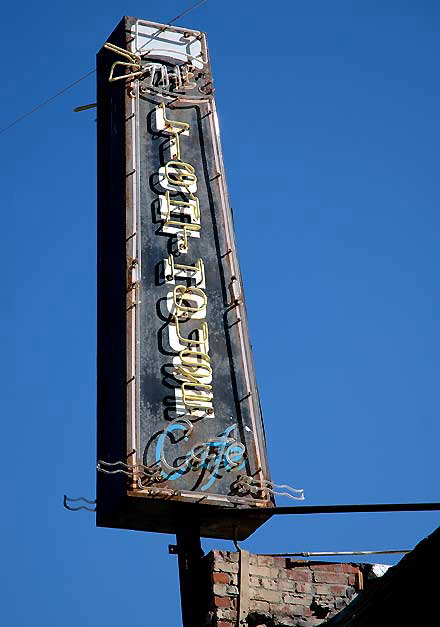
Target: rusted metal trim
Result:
[243, 587]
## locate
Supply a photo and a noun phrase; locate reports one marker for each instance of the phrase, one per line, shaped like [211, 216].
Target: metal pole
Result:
[266, 513]
[367, 508]
[189, 552]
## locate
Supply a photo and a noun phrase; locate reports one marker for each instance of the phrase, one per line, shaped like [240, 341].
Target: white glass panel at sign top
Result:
[174, 43]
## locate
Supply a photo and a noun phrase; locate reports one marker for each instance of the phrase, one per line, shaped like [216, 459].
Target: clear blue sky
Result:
[329, 115]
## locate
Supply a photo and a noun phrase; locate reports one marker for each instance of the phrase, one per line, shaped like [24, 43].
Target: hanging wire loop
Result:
[79, 499]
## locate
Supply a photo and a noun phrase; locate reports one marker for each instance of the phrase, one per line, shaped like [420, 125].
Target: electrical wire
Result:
[81, 499]
[162, 28]
[46, 102]
[68, 87]
[329, 553]
[188, 10]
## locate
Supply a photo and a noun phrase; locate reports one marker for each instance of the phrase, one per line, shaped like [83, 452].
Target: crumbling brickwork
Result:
[281, 591]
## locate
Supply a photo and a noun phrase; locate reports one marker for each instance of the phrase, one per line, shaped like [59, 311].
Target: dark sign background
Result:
[230, 394]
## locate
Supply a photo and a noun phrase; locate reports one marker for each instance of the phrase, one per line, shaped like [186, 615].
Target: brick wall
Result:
[281, 591]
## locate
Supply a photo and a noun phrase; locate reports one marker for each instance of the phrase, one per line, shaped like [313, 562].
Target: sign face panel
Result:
[191, 427]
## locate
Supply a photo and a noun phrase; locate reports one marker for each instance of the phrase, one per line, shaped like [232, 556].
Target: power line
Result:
[45, 102]
[63, 91]
[188, 10]
[162, 28]
[330, 553]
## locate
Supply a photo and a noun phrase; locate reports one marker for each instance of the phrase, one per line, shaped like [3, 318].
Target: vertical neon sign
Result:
[193, 426]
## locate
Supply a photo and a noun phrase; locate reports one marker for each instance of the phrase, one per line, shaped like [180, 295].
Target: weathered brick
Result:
[297, 610]
[265, 560]
[328, 567]
[259, 571]
[259, 606]
[322, 589]
[321, 577]
[295, 599]
[351, 569]
[324, 601]
[228, 614]
[220, 578]
[341, 603]
[282, 587]
[338, 591]
[281, 609]
[270, 584]
[288, 585]
[300, 574]
[228, 567]
[220, 561]
[304, 588]
[288, 621]
[280, 562]
[273, 596]
[219, 589]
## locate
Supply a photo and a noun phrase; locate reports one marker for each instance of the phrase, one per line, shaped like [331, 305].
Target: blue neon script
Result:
[214, 454]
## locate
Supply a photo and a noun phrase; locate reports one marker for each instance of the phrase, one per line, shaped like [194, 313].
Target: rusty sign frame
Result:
[156, 103]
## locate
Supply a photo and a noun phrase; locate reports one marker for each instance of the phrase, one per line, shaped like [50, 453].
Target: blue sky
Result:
[330, 131]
